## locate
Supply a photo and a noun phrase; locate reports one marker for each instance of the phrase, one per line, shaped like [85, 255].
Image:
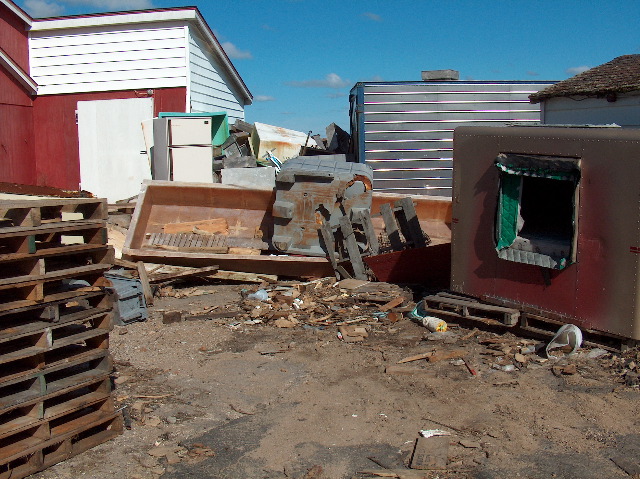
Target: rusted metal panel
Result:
[248, 214]
[600, 290]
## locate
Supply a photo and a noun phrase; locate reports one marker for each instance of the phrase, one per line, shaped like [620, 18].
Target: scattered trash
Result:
[430, 322]
[431, 450]
[260, 295]
[596, 353]
[568, 339]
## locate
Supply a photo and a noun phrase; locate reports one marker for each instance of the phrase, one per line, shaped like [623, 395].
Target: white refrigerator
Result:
[182, 149]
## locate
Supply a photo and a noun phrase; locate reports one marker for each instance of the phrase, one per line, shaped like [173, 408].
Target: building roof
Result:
[18, 73]
[24, 16]
[622, 74]
[189, 14]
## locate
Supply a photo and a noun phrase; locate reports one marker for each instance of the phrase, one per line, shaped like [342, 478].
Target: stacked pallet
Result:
[55, 319]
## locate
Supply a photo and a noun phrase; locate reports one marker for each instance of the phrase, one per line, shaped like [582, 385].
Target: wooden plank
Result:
[244, 277]
[144, 280]
[355, 258]
[409, 224]
[416, 357]
[215, 225]
[391, 227]
[205, 271]
[327, 238]
[367, 225]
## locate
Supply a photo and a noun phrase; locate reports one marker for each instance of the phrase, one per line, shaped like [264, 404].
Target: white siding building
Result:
[606, 94]
[144, 50]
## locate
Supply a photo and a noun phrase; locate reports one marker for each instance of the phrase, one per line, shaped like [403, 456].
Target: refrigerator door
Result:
[190, 131]
[192, 163]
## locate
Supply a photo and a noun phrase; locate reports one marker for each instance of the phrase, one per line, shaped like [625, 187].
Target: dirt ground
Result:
[222, 395]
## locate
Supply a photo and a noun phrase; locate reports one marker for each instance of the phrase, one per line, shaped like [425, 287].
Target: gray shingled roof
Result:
[620, 75]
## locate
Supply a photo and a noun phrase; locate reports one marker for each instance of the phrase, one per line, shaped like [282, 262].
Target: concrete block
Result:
[262, 178]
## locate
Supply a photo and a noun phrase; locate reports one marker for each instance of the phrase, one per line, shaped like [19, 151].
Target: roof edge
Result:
[187, 14]
[18, 73]
[24, 16]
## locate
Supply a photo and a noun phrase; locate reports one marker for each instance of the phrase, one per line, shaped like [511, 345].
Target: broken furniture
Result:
[55, 386]
[545, 222]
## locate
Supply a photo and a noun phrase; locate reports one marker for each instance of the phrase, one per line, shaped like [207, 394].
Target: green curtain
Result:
[508, 208]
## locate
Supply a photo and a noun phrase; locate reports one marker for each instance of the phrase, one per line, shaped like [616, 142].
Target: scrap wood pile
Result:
[55, 319]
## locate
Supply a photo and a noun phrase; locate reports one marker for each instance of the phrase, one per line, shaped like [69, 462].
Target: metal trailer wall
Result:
[404, 130]
[600, 289]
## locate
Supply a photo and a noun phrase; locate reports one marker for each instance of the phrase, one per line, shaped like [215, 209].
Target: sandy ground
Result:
[231, 397]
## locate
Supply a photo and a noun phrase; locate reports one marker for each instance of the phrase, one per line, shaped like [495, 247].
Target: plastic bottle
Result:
[433, 324]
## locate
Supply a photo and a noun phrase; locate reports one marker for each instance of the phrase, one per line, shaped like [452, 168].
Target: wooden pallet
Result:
[40, 212]
[28, 319]
[46, 264]
[470, 308]
[23, 355]
[17, 242]
[87, 432]
[52, 287]
[33, 414]
[64, 375]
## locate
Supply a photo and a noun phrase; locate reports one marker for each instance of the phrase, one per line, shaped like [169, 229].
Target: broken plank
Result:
[205, 271]
[244, 251]
[442, 355]
[392, 304]
[144, 280]
[244, 277]
[416, 357]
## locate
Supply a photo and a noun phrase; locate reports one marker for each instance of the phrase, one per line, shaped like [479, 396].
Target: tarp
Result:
[553, 167]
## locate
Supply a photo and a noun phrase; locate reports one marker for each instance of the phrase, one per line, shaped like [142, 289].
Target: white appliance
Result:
[183, 149]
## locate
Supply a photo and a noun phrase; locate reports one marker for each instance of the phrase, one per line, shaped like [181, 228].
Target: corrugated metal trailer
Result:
[546, 220]
[404, 130]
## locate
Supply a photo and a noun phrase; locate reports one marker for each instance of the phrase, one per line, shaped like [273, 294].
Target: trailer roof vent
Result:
[440, 75]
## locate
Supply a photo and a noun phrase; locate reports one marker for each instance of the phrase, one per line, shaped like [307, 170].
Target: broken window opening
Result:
[537, 210]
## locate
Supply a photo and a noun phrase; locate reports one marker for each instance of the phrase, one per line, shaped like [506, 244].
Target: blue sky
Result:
[300, 58]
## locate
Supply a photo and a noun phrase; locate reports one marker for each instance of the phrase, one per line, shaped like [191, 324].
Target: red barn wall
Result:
[57, 156]
[14, 37]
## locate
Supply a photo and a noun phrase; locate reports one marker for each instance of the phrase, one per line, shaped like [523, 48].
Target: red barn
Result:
[17, 92]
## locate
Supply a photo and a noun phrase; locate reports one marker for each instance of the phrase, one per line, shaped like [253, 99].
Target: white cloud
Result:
[576, 70]
[263, 98]
[531, 73]
[372, 16]
[235, 52]
[43, 8]
[332, 80]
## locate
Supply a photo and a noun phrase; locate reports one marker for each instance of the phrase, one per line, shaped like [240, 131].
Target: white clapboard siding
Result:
[108, 58]
[208, 86]
[80, 59]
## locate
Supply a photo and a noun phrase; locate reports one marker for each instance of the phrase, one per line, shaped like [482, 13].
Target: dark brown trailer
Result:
[547, 219]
